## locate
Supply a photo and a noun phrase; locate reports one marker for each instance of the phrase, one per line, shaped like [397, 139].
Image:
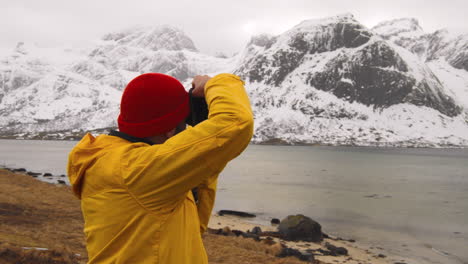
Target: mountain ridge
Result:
[326, 81]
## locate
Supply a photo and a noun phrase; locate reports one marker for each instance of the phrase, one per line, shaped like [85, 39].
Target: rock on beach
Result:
[300, 227]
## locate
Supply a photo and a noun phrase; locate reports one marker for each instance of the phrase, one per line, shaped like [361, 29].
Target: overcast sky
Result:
[213, 25]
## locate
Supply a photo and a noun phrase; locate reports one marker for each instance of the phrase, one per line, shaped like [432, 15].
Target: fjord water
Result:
[412, 203]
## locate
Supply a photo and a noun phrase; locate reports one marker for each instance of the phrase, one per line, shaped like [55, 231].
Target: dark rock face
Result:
[460, 61]
[253, 68]
[262, 40]
[300, 227]
[349, 36]
[274, 69]
[365, 77]
[378, 76]
[425, 96]
[373, 73]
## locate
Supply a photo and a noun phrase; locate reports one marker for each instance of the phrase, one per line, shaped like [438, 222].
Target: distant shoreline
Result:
[280, 142]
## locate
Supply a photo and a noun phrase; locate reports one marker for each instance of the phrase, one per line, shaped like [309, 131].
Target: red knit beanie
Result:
[152, 104]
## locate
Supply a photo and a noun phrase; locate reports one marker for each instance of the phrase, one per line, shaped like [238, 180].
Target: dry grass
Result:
[12, 254]
[38, 214]
[222, 249]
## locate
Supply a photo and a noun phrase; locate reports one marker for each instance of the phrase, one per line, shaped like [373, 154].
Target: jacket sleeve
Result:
[206, 199]
[164, 173]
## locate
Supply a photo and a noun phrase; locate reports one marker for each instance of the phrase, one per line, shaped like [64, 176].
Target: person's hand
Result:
[198, 84]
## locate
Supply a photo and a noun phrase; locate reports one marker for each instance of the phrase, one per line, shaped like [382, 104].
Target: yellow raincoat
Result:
[136, 199]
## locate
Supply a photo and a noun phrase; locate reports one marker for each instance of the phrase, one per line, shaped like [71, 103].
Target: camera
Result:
[198, 110]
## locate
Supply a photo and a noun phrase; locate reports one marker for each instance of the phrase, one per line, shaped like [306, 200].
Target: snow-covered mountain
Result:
[82, 91]
[327, 81]
[334, 81]
[128, 53]
[442, 44]
[444, 51]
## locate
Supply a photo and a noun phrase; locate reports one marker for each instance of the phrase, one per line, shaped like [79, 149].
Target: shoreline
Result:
[363, 237]
[356, 253]
[363, 247]
[381, 145]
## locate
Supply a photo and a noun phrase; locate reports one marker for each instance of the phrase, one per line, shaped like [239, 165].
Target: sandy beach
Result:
[357, 253]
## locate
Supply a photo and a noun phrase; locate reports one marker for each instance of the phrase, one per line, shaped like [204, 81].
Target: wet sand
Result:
[357, 253]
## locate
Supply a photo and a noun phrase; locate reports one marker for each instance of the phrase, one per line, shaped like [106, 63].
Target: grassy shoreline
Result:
[36, 215]
[42, 223]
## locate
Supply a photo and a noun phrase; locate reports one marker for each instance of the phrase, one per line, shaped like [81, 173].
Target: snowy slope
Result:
[455, 81]
[46, 91]
[308, 115]
[405, 32]
[326, 81]
[40, 94]
[341, 56]
[333, 81]
[444, 51]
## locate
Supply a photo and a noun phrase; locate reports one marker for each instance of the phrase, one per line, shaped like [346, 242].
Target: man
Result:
[136, 197]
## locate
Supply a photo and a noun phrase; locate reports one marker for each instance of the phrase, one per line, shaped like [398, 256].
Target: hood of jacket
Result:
[85, 154]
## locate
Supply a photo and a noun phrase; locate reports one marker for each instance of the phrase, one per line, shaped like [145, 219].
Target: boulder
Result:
[19, 170]
[256, 230]
[275, 221]
[300, 227]
[61, 182]
[336, 251]
[47, 174]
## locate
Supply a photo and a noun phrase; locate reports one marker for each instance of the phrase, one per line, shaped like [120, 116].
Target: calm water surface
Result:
[411, 202]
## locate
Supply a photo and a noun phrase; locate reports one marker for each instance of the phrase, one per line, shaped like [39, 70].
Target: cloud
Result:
[213, 25]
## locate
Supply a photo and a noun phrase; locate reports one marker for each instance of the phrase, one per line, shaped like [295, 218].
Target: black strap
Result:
[129, 138]
[192, 110]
